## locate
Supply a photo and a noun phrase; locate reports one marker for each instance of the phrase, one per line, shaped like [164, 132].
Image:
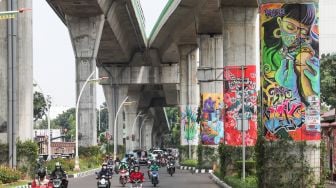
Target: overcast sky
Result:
[54, 63]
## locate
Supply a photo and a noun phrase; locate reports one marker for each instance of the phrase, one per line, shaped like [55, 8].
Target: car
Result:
[156, 152]
[142, 156]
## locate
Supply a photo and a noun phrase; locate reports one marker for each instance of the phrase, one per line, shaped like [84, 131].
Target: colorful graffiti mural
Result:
[233, 92]
[189, 126]
[290, 77]
[212, 127]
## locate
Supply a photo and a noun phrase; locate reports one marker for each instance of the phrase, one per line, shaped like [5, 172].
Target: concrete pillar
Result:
[3, 77]
[239, 35]
[85, 36]
[281, 48]
[189, 96]
[23, 75]
[114, 96]
[25, 72]
[146, 133]
[211, 56]
[131, 111]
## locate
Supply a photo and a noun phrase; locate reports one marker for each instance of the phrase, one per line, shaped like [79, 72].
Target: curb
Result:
[218, 181]
[82, 174]
[195, 170]
[331, 182]
[22, 186]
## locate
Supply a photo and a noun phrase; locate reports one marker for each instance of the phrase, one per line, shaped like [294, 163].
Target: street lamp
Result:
[77, 106]
[11, 14]
[138, 115]
[115, 148]
[141, 131]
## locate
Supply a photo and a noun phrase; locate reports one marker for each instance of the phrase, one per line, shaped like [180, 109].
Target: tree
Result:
[173, 115]
[328, 78]
[103, 118]
[40, 106]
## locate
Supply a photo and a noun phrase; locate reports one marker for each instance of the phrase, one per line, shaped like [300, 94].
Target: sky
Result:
[54, 62]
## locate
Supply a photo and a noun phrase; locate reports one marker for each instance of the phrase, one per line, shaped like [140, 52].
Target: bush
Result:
[189, 162]
[250, 167]
[229, 155]
[67, 164]
[88, 151]
[237, 182]
[8, 175]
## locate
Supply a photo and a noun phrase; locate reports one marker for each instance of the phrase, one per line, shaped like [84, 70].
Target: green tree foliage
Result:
[103, 118]
[173, 115]
[328, 78]
[40, 106]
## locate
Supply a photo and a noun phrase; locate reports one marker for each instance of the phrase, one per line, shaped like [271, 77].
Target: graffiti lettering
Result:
[274, 12]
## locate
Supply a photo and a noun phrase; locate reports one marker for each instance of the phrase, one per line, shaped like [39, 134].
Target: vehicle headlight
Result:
[102, 181]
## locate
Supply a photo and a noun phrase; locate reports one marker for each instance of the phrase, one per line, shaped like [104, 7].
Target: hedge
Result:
[9, 175]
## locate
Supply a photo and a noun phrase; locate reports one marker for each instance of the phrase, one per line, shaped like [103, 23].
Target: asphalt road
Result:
[181, 179]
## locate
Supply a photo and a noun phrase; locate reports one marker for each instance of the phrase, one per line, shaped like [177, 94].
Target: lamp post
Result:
[115, 148]
[140, 132]
[138, 115]
[77, 106]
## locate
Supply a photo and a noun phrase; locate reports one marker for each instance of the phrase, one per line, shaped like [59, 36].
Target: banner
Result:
[290, 77]
[212, 127]
[233, 93]
[189, 126]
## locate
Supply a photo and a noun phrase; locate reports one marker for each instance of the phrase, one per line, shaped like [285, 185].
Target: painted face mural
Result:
[189, 126]
[290, 77]
[233, 93]
[212, 119]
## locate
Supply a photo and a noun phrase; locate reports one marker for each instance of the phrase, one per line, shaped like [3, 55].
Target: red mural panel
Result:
[233, 92]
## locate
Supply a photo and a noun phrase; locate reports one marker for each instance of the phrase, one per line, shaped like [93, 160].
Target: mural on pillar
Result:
[233, 91]
[212, 127]
[189, 125]
[290, 77]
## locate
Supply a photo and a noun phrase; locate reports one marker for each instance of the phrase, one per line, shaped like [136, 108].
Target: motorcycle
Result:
[163, 162]
[155, 178]
[110, 168]
[123, 177]
[57, 182]
[104, 182]
[39, 184]
[116, 167]
[171, 169]
[136, 184]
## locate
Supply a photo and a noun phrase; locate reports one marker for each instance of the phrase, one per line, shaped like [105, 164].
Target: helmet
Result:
[58, 165]
[41, 173]
[104, 166]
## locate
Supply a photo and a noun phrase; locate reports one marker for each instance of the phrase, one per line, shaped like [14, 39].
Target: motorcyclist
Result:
[110, 162]
[153, 167]
[41, 179]
[104, 171]
[123, 166]
[136, 175]
[171, 162]
[59, 172]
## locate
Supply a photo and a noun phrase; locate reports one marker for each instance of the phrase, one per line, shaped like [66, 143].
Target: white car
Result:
[155, 153]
